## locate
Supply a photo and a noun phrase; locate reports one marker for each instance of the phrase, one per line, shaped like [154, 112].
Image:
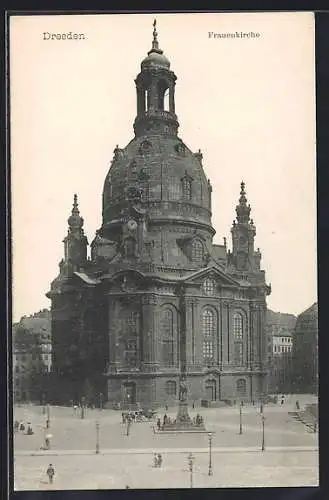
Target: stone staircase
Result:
[308, 417]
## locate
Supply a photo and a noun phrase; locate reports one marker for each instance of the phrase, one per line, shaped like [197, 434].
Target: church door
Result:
[211, 390]
[129, 392]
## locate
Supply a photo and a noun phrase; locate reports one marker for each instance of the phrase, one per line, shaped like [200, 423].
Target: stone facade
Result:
[156, 294]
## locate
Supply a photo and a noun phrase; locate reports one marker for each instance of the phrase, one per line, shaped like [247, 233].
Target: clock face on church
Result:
[131, 225]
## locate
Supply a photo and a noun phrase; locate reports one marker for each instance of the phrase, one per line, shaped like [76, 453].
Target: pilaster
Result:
[150, 335]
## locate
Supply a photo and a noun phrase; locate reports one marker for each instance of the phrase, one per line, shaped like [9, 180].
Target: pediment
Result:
[213, 272]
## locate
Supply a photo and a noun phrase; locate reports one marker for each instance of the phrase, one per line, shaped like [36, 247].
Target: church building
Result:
[156, 297]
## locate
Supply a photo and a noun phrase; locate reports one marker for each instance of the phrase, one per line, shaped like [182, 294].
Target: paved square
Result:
[290, 457]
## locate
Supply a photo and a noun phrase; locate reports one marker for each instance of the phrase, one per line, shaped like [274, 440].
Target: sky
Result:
[247, 103]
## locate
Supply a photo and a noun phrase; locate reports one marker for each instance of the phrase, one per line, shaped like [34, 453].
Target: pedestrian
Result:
[165, 419]
[128, 425]
[159, 459]
[51, 473]
[159, 424]
[297, 405]
[22, 427]
[193, 405]
[166, 407]
[155, 459]
[16, 426]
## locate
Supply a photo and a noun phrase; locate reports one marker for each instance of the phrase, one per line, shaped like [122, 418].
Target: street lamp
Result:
[263, 433]
[210, 434]
[83, 407]
[97, 438]
[191, 459]
[48, 417]
[240, 431]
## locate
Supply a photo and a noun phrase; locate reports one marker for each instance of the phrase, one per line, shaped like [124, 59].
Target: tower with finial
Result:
[155, 87]
[243, 235]
[75, 242]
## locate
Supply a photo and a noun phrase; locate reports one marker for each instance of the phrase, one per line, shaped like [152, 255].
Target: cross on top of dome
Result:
[155, 56]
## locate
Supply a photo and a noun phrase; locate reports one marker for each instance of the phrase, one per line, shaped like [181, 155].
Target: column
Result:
[183, 333]
[225, 331]
[254, 331]
[172, 98]
[149, 332]
[191, 331]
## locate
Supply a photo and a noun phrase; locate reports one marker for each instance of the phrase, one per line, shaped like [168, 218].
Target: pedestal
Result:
[183, 422]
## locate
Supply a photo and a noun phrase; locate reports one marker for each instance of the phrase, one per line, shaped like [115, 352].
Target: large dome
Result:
[170, 176]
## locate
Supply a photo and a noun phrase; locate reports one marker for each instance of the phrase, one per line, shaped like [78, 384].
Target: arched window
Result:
[241, 387]
[163, 96]
[130, 336]
[238, 338]
[171, 388]
[237, 326]
[166, 100]
[197, 251]
[146, 103]
[187, 188]
[167, 337]
[208, 330]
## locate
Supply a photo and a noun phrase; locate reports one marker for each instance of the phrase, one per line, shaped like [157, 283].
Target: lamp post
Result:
[97, 438]
[210, 457]
[240, 431]
[263, 433]
[48, 417]
[83, 407]
[190, 463]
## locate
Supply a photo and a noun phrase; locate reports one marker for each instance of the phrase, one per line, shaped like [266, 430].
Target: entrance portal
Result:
[211, 390]
[129, 392]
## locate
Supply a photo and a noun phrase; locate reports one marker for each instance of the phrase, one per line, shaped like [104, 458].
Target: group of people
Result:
[198, 420]
[166, 420]
[21, 427]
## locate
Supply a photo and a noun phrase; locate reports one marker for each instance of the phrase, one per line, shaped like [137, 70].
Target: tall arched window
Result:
[146, 103]
[187, 188]
[130, 336]
[208, 330]
[197, 251]
[167, 337]
[163, 96]
[237, 326]
[238, 338]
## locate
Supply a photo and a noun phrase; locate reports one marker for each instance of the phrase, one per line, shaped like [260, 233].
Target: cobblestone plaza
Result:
[290, 457]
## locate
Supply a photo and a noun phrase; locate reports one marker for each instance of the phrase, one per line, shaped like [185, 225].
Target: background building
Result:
[280, 327]
[157, 296]
[32, 354]
[305, 351]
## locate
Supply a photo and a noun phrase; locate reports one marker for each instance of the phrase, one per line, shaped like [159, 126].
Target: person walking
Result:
[128, 425]
[51, 473]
